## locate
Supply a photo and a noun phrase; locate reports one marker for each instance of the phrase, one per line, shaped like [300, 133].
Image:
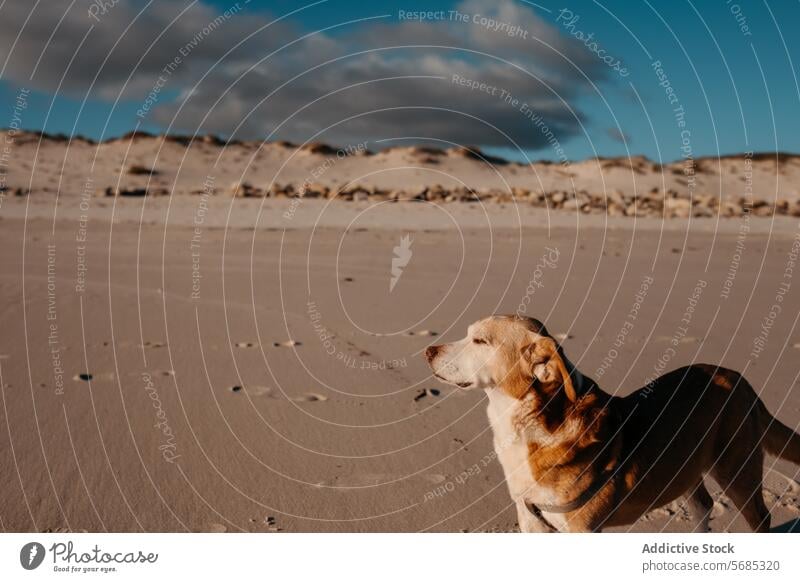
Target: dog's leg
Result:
[528, 522]
[700, 504]
[739, 473]
[749, 498]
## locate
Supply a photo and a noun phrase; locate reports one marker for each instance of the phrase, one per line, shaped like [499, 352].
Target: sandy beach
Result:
[221, 363]
[367, 272]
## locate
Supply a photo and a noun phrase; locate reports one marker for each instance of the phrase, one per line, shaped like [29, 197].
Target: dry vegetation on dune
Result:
[140, 164]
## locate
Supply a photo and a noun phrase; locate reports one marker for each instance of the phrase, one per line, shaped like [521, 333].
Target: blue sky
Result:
[725, 62]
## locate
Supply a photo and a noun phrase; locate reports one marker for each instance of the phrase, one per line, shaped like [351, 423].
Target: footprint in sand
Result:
[86, 376]
[310, 397]
[676, 510]
[422, 332]
[259, 391]
[785, 495]
[287, 344]
[150, 344]
[122, 344]
[426, 392]
[268, 392]
[662, 512]
[252, 390]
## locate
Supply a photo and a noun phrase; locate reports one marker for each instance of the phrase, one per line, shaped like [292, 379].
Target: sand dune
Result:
[206, 362]
[140, 164]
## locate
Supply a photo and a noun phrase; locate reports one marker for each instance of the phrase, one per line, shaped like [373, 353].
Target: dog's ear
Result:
[542, 361]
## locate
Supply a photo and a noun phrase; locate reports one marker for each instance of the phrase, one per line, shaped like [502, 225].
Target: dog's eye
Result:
[479, 341]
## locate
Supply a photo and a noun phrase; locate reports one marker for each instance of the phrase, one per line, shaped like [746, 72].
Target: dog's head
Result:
[503, 351]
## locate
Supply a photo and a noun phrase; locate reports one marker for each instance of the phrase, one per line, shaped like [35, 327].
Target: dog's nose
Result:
[431, 351]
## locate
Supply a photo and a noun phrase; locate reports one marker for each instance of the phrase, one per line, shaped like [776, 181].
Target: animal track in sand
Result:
[788, 498]
[310, 397]
[86, 376]
[266, 391]
[674, 510]
[246, 344]
[252, 390]
[287, 344]
[422, 332]
[662, 512]
[426, 392]
[149, 344]
[118, 344]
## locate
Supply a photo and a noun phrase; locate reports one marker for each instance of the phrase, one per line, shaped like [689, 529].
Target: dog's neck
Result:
[542, 413]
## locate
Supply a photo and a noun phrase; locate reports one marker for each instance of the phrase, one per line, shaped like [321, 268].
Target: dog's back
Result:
[698, 420]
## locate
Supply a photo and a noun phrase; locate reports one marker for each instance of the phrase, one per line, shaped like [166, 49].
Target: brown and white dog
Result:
[578, 459]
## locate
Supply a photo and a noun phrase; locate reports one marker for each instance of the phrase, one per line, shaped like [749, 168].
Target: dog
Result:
[577, 459]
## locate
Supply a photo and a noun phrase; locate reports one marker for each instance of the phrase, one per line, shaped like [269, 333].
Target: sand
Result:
[207, 363]
[45, 164]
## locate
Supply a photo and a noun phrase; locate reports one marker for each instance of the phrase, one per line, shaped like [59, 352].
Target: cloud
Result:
[56, 44]
[482, 78]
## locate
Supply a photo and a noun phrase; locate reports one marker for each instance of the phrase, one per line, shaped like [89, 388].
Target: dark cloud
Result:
[130, 42]
[360, 82]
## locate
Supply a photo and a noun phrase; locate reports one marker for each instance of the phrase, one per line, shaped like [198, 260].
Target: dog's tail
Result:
[779, 440]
